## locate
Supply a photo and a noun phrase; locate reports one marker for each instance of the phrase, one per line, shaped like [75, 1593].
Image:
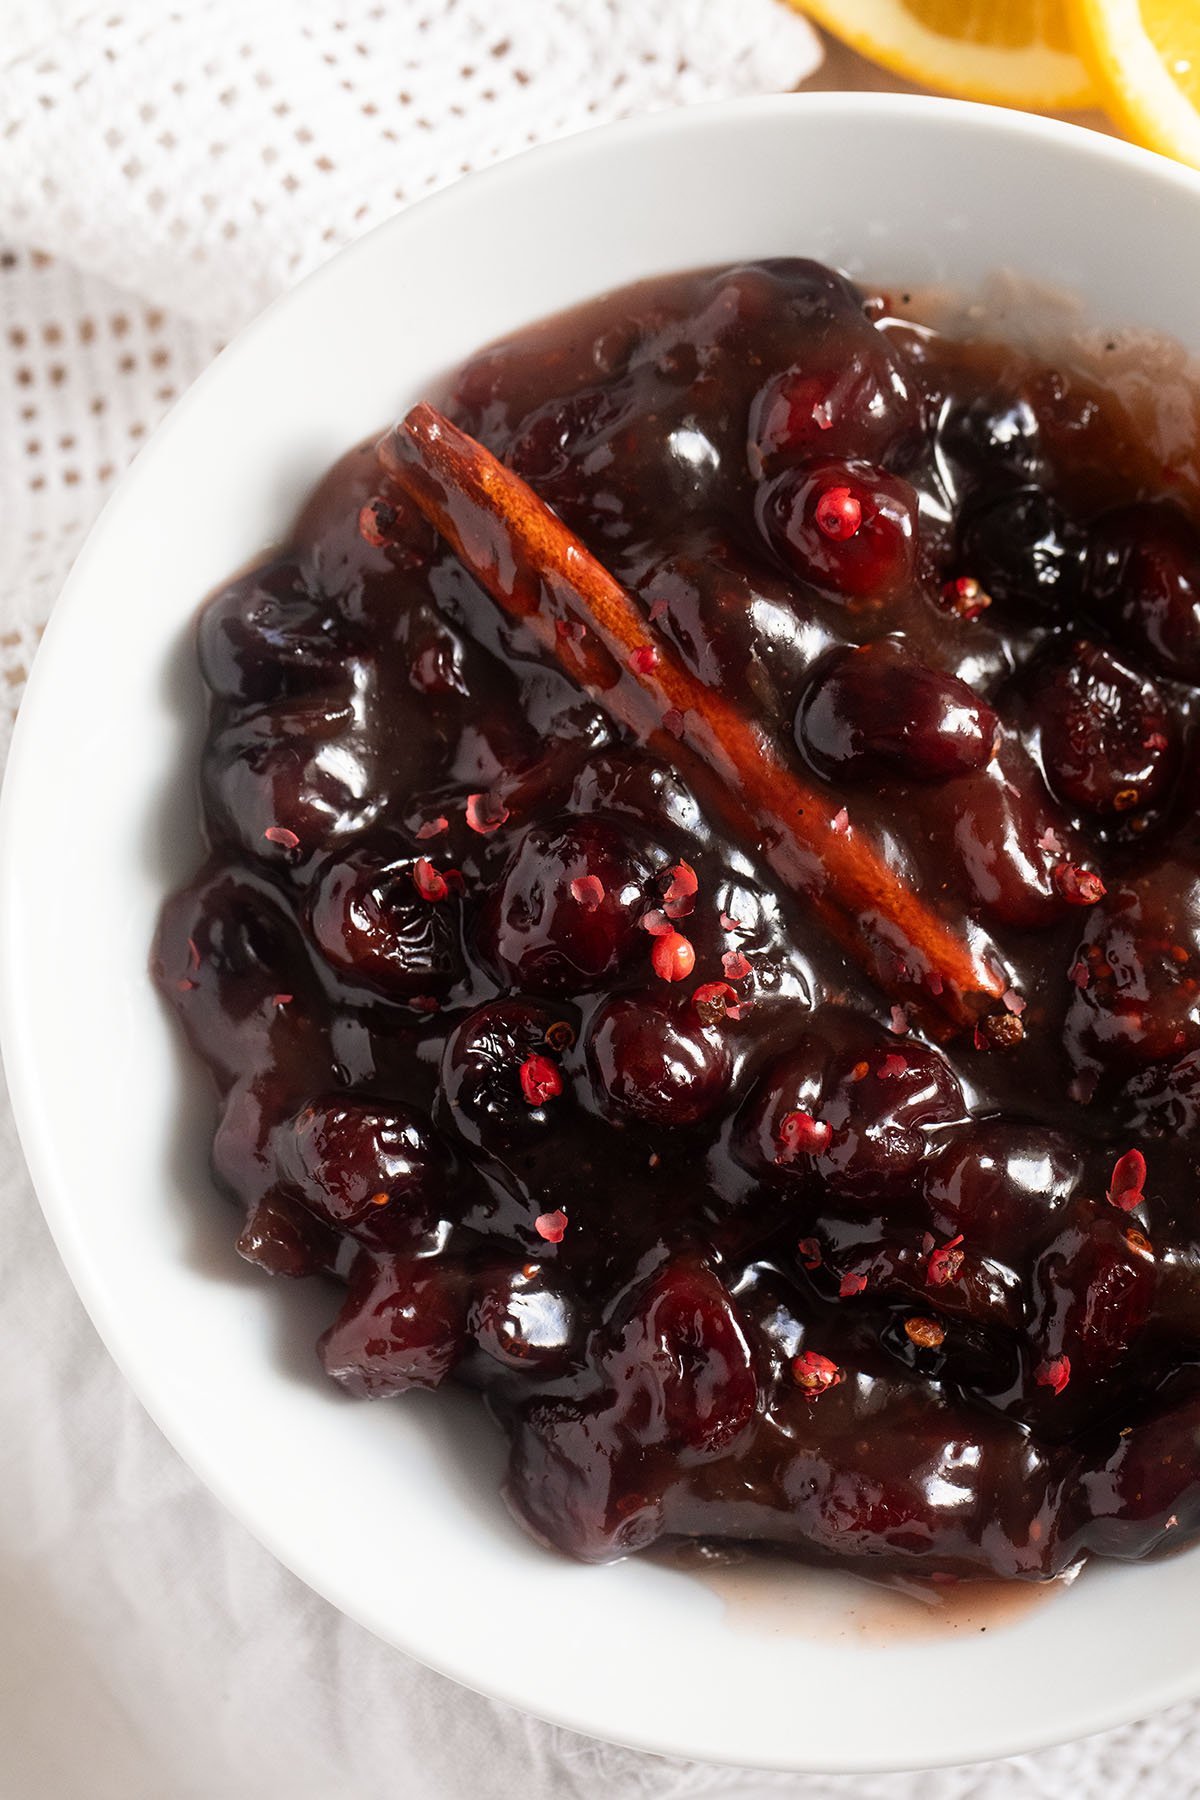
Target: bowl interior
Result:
[392, 1511]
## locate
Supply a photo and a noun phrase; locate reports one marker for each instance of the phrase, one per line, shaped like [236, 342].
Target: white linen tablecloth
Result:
[164, 170]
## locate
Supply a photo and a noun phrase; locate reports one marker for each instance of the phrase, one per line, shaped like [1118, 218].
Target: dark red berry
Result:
[1024, 552]
[300, 768]
[653, 1061]
[876, 1123]
[486, 1092]
[881, 708]
[1109, 742]
[876, 560]
[371, 918]
[1092, 1293]
[1136, 997]
[403, 1325]
[850, 396]
[1144, 584]
[522, 1320]
[270, 635]
[538, 932]
[686, 1353]
[378, 1173]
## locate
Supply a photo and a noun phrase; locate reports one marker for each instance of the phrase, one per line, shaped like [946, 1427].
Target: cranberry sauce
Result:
[590, 1114]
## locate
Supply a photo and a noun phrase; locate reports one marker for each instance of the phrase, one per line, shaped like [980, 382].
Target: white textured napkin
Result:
[164, 170]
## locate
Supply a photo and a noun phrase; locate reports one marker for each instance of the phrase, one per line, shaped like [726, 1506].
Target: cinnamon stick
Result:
[539, 572]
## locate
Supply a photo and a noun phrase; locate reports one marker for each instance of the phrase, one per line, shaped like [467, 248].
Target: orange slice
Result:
[1145, 56]
[1012, 52]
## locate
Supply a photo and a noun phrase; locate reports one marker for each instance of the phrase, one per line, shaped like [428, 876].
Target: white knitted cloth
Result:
[164, 170]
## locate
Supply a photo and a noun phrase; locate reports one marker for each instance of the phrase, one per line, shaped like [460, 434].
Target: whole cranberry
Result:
[682, 1367]
[1024, 551]
[523, 1320]
[1142, 1495]
[575, 1482]
[279, 1235]
[650, 1059]
[850, 395]
[847, 527]
[284, 1238]
[244, 1149]
[650, 794]
[227, 949]
[741, 627]
[482, 1063]
[1109, 741]
[379, 1173]
[991, 431]
[288, 782]
[373, 924]
[562, 445]
[999, 1185]
[233, 931]
[606, 457]
[880, 707]
[1135, 976]
[1092, 1289]
[797, 292]
[1144, 584]
[269, 635]
[870, 1093]
[998, 838]
[770, 313]
[547, 927]
[403, 1325]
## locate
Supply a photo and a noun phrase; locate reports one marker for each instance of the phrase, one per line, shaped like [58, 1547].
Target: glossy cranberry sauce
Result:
[585, 1110]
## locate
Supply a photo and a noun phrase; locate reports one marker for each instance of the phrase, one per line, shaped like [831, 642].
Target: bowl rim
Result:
[18, 998]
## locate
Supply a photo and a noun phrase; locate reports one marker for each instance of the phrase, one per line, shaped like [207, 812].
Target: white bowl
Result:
[391, 1511]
